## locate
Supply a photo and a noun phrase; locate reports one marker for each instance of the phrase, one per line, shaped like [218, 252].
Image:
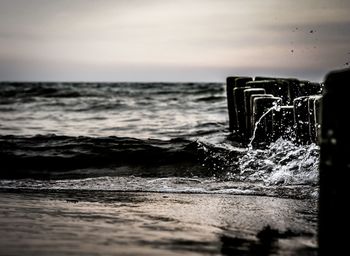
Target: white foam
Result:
[282, 162]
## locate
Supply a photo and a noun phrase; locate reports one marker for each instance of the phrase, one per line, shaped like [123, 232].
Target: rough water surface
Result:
[145, 169]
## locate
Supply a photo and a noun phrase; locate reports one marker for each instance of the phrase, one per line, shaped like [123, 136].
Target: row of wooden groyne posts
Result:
[316, 113]
[268, 108]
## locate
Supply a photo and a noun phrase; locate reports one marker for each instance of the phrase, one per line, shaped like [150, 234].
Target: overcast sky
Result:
[171, 40]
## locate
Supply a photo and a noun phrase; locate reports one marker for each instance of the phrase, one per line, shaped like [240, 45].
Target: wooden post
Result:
[263, 133]
[317, 111]
[278, 88]
[240, 111]
[334, 213]
[283, 122]
[230, 85]
[301, 119]
[252, 98]
[248, 93]
[313, 116]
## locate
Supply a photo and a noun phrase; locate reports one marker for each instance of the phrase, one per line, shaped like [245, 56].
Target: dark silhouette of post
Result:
[298, 119]
[252, 98]
[238, 95]
[301, 119]
[279, 88]
[334, 213]
[314, 107]
[262, 118]
[283, 122]
[248, 93]
[231, 83]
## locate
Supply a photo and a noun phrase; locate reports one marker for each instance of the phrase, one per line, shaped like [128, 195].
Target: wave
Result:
[55, 157]
[74, 90]
[47, 156]
[282, 163]
[184, 185]
[211, 98]
[211, 164]
[27, 90]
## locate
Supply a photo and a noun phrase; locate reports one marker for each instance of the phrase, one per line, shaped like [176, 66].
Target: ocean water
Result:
[133, 157]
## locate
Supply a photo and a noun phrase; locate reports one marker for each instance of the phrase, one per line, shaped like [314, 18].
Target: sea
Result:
[146, 169]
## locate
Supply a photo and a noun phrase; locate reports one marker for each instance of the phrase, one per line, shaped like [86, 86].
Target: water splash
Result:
[281, 163]
[218, 155]
[283, 169]
[276, 106]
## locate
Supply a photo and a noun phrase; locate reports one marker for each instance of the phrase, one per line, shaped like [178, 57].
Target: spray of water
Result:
[276, 106]
[281, 163]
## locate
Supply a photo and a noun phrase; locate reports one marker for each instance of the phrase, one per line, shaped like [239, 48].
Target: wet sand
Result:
[126, 223]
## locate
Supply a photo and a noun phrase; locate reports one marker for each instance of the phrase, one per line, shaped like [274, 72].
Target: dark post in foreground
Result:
[334, 203]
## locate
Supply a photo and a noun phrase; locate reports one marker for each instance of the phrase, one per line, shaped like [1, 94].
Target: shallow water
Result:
[119, 223]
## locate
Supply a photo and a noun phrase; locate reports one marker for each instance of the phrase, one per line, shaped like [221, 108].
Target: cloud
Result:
[220, 34]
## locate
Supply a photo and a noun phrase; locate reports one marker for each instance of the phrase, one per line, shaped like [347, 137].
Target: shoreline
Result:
[126, 223]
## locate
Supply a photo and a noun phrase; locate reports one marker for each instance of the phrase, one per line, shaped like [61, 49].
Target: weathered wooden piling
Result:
[238, 94]
[242, 81]
[238, 98]
[264, 78]
[283, 122]
[293, 89]
[312, 88]
[248, 93]
[334, 221]
[305, 88]
[230, 85]
[278, 88]
[301, 120]
[318, 119]
[252, 98]
[302, 97]
[262, 118]
[313, 116]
